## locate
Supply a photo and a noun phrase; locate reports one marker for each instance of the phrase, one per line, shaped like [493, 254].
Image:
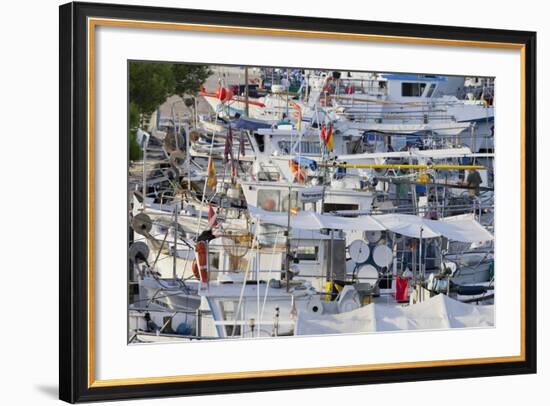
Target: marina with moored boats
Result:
[287, 202]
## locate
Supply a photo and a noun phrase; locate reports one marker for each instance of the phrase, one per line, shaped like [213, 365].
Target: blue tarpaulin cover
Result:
[306, 162]
[249, 124]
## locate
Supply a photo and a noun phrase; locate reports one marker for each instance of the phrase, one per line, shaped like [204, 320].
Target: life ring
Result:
[195, 269]
[200, 259]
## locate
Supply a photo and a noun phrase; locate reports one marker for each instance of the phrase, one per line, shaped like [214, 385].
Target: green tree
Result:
[189, 78]
[133, 125]
[151, 83]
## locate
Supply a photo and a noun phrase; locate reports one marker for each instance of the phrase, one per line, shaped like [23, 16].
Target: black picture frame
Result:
[73, 283]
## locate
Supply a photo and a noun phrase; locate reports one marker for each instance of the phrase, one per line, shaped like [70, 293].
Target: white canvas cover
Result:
[438, 312]
[463, 230]
[308, 220]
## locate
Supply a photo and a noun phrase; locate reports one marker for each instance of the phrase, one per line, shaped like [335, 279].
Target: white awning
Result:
[309, 220]
[463, 230]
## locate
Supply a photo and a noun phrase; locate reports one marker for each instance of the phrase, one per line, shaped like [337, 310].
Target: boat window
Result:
[276, 200]
[294, 204]
[431, 90]
[412, 89]
[269, 200]
[284, 147]
[328, 207]
[306, 253]
[305, 147]
[260, 141]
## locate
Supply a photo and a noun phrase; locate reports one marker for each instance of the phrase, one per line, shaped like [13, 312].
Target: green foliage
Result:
[134, 116]
[189, 78]
[135, 150]
[150, 84]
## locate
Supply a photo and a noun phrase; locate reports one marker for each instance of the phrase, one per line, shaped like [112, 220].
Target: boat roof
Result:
[411, 153]
[411, 76]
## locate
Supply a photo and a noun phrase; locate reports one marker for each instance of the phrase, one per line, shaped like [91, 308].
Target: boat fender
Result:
[315, 305]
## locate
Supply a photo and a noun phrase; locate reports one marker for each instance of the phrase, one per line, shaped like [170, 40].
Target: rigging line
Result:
[268, 278]
[157, 297]
[160, 249]
[236, 314]
[161, 283]
[206, 183]
[156, 240]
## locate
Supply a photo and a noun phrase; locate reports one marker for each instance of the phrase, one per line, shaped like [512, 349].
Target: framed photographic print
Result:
[258, 202]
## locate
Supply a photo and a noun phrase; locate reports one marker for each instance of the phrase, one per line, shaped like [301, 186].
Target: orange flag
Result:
[329, 139]
[211, 181]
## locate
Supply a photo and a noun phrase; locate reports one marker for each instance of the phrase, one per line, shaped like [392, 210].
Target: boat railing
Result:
[137, 313]
[397, 116]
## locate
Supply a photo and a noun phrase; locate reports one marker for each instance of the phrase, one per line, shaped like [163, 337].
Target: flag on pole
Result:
[326, 137]
[323, 134]
[233, 169]
[211, 181]
[228, 149]
[329, 138]
[212, 217]
[297, 115]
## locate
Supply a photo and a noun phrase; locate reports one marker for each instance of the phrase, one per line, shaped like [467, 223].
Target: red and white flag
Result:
[212, 217]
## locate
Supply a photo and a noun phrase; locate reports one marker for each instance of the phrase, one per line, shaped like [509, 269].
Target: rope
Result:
[238, 309]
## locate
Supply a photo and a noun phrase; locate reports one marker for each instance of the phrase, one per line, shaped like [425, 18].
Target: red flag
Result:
[228, 149]
[233, 168]
[323, 134]
[212, 220]
[401, 289]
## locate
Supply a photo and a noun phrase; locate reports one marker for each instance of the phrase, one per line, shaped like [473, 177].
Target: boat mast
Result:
[145, 145]
[187, 156]
[287, 251]
[175, 238]
[324, 157]
[246, 107]
[421, 271]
